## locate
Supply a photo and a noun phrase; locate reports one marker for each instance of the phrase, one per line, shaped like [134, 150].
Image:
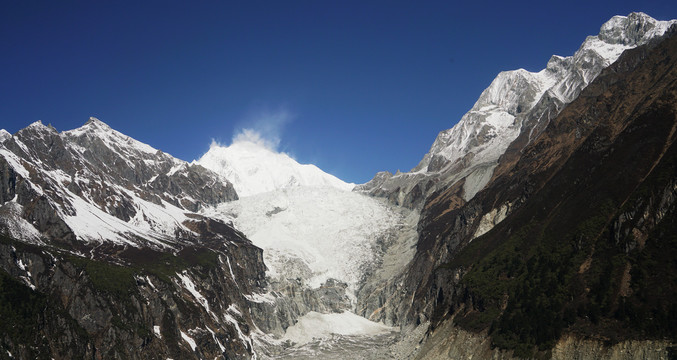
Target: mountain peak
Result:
[38, 127]
[115, 139]
[94, 122]
[4, 135]
[516, 102]
[254, 168]
[633, 29]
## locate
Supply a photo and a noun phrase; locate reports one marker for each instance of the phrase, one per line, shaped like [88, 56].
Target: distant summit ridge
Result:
[95, 184]
[517, 103]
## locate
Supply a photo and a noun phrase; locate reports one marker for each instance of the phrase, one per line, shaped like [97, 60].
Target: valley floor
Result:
[389, 344]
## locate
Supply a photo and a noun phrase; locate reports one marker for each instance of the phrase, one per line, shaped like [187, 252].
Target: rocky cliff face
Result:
[516, 103]
[148, 304]
[102, 240]
[94, 183]
[451, 342]
[568, 237]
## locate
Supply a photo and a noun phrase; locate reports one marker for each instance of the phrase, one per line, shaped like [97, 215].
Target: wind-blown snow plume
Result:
[254, 165]
[264, 128]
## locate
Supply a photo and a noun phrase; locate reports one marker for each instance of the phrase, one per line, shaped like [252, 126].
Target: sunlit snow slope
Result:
[313, 233]
[253, 168]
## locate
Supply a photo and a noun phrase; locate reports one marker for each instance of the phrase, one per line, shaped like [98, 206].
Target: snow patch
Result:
[233, 309]
[261, 298]
[314, 325]
[17, 226]
[190, 286]
[4, 135]
[231, 269]
[189, 340]
[223, 349]
[245, 339]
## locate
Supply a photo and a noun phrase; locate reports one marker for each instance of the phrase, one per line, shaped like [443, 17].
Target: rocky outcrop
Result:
[451, 342]
[192, 304]
[517, 104]
[56, 180]
[286, 301]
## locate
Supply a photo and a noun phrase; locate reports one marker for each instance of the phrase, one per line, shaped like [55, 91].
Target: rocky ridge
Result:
[94, 184]
[517, 102]
[102, 232]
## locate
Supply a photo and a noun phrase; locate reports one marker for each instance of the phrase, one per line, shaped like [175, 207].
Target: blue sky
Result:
[355, 87]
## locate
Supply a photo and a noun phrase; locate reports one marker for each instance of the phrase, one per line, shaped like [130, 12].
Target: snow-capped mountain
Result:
[94, 184]
[253, 168]
[517, 102]
[120, 241]
[320, 240]
[4, 135]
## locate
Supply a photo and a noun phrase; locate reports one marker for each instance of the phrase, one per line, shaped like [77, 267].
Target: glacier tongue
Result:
[313, 233]
[253, 169]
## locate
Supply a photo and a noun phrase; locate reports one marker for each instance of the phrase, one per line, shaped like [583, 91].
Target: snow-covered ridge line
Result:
[515, 92]
[105, 186]
[517, 101]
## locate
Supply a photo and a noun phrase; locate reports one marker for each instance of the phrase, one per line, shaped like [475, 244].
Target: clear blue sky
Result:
[364, 85]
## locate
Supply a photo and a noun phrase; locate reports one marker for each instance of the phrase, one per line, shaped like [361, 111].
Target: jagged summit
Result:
[518, 91]
[4, 134]
[101, 185]
[95, 128]
[633, 29]
[517, 102]
[39, 126]
[253, 168]
[94, 122]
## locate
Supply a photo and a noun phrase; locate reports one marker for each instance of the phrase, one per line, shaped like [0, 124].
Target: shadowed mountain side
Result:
[570, 237]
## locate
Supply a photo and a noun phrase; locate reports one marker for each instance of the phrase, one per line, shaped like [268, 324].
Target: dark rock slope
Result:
[103, 256]
[146, 305]
[575, 233]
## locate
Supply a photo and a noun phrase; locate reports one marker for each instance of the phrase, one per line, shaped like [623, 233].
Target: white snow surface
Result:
[155, 223]
[484, 133]
[113, 139]
[4, 135]
[190, 286]
[18, 227]
[89, 220]
[253, 169]
[314, 325]
[310, 232]
[189, 340]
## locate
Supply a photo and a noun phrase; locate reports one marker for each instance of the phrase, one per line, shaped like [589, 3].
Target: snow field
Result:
[312, 232]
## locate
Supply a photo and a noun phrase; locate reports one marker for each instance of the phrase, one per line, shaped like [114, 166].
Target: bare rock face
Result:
[95, 171]
[189, 305]
[517, 104]
[582, 214]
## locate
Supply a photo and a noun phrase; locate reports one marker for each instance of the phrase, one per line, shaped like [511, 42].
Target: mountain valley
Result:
[540, 226]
